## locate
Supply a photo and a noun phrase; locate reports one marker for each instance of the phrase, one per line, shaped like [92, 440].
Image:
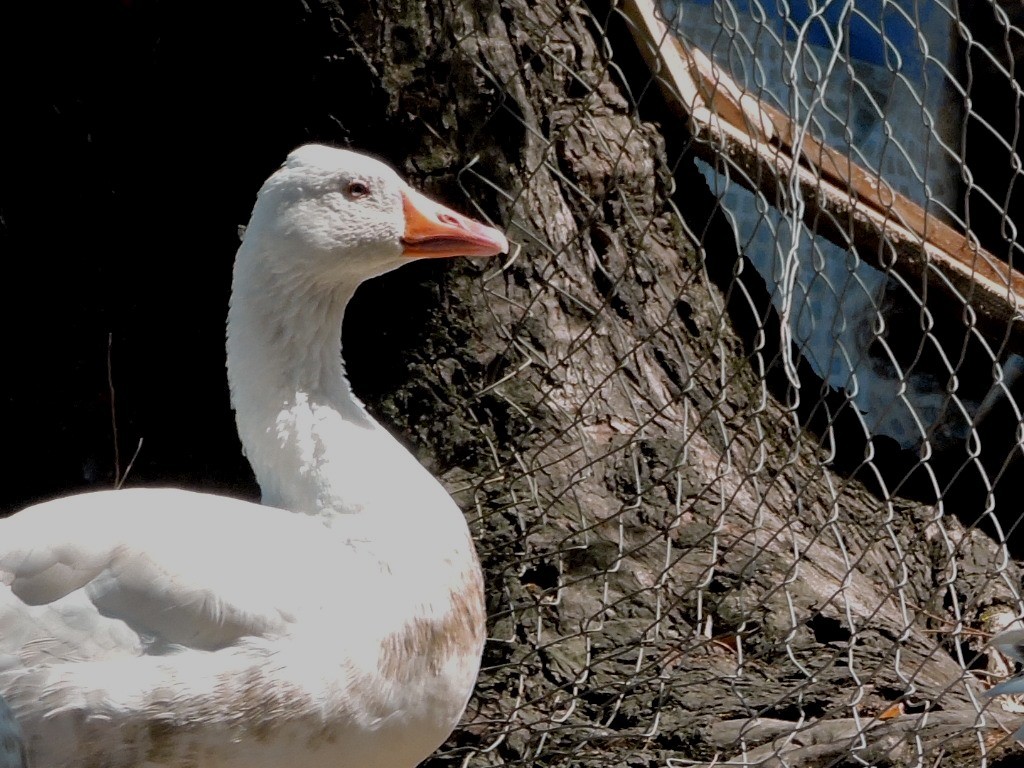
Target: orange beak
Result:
[436, 231]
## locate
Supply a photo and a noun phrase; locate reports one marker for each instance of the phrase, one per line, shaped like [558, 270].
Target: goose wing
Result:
[140, 571]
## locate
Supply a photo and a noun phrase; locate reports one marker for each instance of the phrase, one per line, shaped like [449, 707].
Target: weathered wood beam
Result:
[843, 201]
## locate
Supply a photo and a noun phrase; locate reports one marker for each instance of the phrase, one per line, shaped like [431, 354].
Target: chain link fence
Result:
[753, 471]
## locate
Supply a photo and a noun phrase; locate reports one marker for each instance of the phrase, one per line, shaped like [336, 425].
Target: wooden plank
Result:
[843, 201]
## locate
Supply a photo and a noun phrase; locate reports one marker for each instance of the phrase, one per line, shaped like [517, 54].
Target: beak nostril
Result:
[433, 230]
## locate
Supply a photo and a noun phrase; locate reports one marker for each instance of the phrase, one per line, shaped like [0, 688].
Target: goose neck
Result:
[311, 443]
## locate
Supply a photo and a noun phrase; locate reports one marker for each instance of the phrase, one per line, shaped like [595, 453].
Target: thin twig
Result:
[113, 410]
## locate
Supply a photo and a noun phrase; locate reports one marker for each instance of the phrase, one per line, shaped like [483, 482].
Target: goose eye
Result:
[357, 189]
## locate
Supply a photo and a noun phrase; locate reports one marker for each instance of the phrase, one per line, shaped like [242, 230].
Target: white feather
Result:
[340, 627]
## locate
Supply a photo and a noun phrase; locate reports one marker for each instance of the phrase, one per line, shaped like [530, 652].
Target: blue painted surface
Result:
[855, 72]
[880, 32]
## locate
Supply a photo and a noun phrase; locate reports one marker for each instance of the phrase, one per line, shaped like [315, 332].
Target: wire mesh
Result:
[751, 489]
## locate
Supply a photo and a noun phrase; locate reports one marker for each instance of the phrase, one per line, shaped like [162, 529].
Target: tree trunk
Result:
[672, 565]
[675, 568]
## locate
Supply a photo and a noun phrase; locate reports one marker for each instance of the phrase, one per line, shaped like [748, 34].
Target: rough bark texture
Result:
[674, 570]
[645, 505]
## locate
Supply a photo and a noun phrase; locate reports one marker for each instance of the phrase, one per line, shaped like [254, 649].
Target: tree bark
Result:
[671, 561]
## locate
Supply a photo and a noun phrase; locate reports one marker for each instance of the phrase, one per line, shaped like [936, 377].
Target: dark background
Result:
[135, 137]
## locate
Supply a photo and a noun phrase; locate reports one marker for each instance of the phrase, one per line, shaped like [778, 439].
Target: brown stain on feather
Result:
[431, 641]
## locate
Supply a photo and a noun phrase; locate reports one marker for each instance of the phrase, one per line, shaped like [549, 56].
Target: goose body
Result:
[338, 624]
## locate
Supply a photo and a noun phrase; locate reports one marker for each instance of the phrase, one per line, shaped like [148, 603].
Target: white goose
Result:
[342, 624]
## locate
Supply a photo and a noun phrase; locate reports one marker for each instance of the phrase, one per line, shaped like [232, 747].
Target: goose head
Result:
[331, 216]
[323, 223]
